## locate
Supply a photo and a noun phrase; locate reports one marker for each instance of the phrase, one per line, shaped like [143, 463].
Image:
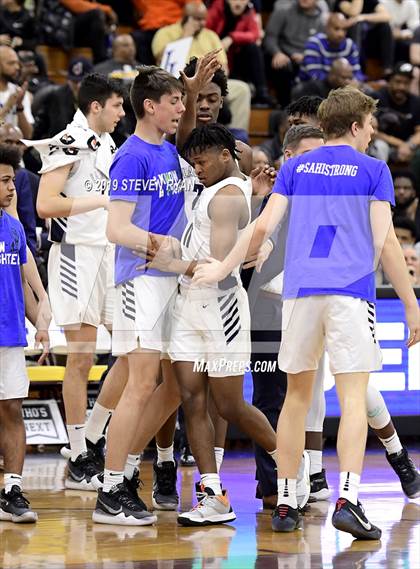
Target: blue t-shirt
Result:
[12, 256]
[329, 247]
[150, 176]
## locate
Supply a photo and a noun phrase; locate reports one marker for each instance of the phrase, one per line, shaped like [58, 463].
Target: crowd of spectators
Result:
[272, 52]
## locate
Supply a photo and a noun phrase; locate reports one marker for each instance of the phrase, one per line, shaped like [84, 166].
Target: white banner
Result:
[175, 56]
[43, 422]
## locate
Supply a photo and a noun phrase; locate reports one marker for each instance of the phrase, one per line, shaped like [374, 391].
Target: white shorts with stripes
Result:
[81, 284]
[143, 314]
[212, 331]
[344, 325]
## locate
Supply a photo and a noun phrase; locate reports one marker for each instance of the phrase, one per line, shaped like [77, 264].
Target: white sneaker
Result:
[303, 486]
[211, 510]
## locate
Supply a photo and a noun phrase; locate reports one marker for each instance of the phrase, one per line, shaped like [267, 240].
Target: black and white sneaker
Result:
[97, 449]
[118, 506]
[319, 487]
[81, 471]
[186, 458]
[132, 485]
[286, 519]
[406, 472]
[165, 495]
[351, 519]
[14, 507]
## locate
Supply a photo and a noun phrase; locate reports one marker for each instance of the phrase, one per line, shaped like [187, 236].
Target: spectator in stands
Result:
[368, 21]
[278, 126]
[91, 21]
[235, 22]
[412, 260]
[260, 158]
[405, 19]
[17, 26]
[154, 15]
[304, 111]
[15, 101]
[407, 202]
[123, 63]
[399, 113]
[340, 75]
[405, 230]
[286, 34]
[53, 106]
[193, 24]
[378, 148]
[322, 49]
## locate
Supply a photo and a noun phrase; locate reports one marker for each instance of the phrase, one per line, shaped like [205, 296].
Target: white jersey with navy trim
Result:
[195, 242]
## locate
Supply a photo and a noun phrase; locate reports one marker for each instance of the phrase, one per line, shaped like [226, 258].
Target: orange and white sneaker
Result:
[211, 510]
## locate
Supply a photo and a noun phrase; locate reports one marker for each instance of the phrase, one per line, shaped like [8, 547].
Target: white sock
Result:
[97, 421]
[218, 455]
[392, 443]
[315, 465]
[112, 478]
[77, 438]
[212, 481]
[165, 454]
[286, 492]
[10, 480]
[349, 486]
[133, 462]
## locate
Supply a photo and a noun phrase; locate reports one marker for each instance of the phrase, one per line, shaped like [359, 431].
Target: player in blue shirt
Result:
[340, 227]
[16, 295]
[146, 192]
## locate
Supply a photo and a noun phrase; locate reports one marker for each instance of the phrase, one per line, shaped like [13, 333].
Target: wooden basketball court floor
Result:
[65, 536]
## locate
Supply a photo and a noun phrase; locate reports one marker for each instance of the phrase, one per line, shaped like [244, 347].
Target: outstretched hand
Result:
[206, 68]
[262, 179]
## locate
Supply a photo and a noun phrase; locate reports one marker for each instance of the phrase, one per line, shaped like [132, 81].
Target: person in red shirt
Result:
[236, 23]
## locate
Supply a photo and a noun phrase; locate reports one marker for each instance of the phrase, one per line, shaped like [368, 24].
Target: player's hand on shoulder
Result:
[262, 179]
[209, 271]
[412, 315]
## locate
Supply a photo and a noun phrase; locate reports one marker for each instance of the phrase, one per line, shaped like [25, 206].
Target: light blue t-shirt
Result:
[149, 175]
[12, 256]
[329, 247]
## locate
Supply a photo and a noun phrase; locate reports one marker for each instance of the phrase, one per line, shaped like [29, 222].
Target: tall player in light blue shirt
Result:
[340, 226]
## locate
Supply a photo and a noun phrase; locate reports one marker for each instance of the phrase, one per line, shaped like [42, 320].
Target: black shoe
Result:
[164, 495]
[285, 519]
[119, 507]
[406, 472]
[97, 449]
[319, 487]
[351, 519]
[133, 485]
[81, 471]
[14, 507]
[186, 458]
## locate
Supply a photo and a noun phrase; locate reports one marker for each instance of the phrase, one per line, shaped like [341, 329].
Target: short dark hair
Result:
[151, 83]
[307, 105]
[219, 78]
[10, 156]
[404, 222]
[96, 87]
[299, 132]
[210, 136]
[404, 174]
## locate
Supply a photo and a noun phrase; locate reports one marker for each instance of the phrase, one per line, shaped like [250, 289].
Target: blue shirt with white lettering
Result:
[150, 176]
[329, 247]
[12, 256]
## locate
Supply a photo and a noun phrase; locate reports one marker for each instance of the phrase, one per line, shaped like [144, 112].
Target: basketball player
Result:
[73, 192]
[211, 324]
[16, 299]
[335, 239]
[146, 198]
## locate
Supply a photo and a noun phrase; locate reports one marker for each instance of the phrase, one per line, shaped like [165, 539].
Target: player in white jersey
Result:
[73, 192]
[210, 338]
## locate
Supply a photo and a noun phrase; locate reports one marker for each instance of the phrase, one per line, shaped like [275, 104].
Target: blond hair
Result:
[342, 108]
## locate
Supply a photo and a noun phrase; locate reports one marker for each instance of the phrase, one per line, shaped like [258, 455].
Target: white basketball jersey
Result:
[195, 242]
